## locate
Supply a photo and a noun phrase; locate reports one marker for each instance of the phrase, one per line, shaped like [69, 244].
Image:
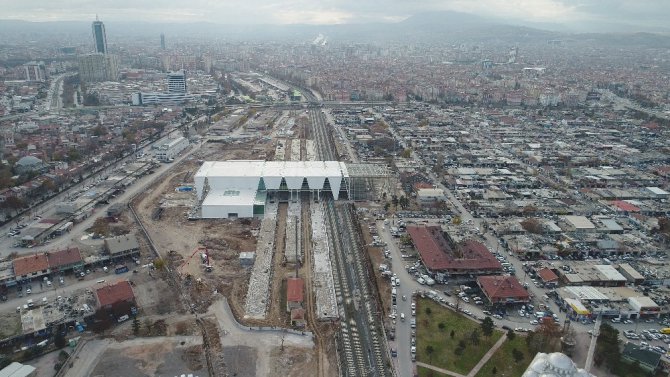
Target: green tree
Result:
[517, 355]
[487, 326]
[159, 264]
[13, 203]
[428, 311]
[474, 337]
[136, 326]
[429, 350]
[387, 205]
[494, 370]
[73, 155]
[406, 153]
[452, 334]
[511, 334]
[404, 202]
[441, 326]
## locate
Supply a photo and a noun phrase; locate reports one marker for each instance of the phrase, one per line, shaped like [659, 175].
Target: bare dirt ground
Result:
[144, 357]
[182, 242]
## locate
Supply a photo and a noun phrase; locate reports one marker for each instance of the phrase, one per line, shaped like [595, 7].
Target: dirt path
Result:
[276, 314]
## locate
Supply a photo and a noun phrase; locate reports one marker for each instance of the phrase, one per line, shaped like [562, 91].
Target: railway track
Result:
[323, 138]
[360, 339]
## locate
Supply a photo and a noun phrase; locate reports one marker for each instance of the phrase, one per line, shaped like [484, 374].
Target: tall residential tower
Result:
[99, 37]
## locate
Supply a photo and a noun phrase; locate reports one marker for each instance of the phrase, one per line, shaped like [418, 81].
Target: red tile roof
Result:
[294, 290]
[64, 257]
[437, 254]
[29, 264]
[115, 293]
[547, 275]
[500, 288]
[297, 314]
[625, 206]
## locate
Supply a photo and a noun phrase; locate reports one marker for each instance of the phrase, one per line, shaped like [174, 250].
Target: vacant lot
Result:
[435, 326]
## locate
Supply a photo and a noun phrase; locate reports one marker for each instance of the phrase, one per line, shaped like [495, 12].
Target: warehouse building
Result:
[170, 149]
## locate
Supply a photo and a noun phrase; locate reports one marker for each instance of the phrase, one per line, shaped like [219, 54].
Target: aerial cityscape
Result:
[268, 189]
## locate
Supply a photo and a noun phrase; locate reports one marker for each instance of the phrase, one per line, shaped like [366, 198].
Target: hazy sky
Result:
[636, 12]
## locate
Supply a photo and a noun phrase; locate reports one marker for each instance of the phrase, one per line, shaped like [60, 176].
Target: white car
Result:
[534, 322]
[413, 350]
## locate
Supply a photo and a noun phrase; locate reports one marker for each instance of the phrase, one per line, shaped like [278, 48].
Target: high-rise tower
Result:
[176, 82]
[162, 41]
[99, 36]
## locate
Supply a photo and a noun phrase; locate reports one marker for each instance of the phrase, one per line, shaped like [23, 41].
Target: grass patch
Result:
[425, 372]
[505, 363]
[430, 334]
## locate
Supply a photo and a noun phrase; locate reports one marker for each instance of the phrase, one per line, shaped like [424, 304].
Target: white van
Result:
[402, 317]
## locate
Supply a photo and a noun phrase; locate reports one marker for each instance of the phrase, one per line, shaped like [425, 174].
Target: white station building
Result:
[240, 188]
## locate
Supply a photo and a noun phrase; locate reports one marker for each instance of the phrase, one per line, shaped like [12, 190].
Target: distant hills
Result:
[449, 27]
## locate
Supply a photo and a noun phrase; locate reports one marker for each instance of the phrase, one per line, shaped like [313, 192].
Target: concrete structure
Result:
[170, 149]
[99, 37]
[35, 71]
[98, 67]
[247, 258]
[554, 364]
[177, 92]
[18, 370]
[122, 246]
[162, 98]
[240, 188]
[645, 306]
[430, 196]
[176, 82]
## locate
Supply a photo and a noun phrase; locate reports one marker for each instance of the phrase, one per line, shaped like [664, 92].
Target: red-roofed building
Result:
[438, 255]
[298, 317]
[114, 294]
[294, 293]
[624, 206]
[31, 266]
[503, 289]
[65, 260]
[549, 278]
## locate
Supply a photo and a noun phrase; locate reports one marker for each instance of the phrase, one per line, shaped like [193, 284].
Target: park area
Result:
[511, 359]
[449, 340]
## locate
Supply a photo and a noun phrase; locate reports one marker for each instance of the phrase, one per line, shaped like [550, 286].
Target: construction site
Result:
[291, 271]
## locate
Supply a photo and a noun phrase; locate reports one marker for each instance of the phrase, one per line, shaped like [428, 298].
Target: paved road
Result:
[264, 342]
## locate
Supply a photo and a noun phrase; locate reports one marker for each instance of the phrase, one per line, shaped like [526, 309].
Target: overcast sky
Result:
[648, 13]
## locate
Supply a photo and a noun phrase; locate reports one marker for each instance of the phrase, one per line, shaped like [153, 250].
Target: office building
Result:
[99, 37]
[176, 92]
[162, 41]
[177, 82]
[35, 71]
[98, 67]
